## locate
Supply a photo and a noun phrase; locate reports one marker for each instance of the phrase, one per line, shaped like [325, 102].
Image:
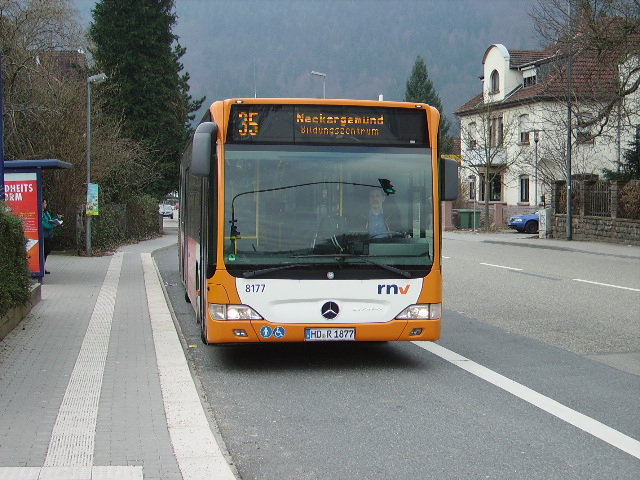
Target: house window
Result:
[497, 131]
[523, 122]
[495, 188]
[524, 188]
[528, 81]
[495, 82]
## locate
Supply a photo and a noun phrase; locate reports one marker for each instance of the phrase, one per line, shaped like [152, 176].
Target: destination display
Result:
[327, 124]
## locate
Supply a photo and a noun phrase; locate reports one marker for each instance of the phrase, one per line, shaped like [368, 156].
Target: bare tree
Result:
[487, 137]
[44, 76]
[602, 36]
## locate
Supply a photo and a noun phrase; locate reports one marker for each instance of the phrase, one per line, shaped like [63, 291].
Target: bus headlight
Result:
[427, 311]
[233, 312]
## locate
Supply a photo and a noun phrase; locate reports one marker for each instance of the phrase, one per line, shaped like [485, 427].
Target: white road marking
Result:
[501, 266]
[607, 285]
[588, 424]
[194, 444]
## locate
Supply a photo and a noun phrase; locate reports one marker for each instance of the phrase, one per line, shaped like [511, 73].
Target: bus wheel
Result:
[203, 331]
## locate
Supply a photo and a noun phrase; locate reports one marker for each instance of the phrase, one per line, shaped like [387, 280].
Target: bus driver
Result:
[378, 222]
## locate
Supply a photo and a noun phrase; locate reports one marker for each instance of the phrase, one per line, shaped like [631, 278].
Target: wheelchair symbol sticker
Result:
[277, 332]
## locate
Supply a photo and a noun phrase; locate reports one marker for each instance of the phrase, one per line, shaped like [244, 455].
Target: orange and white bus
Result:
[314, 220]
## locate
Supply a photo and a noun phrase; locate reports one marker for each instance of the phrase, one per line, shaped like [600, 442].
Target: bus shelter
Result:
[23, 197]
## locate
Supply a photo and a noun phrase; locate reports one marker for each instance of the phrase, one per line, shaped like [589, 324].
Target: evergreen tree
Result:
[135, 47]
[630, 168]
[420, 89]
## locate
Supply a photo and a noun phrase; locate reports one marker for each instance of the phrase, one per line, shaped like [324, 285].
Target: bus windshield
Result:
[290, 209]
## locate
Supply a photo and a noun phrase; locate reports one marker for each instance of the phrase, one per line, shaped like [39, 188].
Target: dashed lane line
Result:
[607, 285]
[502, 266]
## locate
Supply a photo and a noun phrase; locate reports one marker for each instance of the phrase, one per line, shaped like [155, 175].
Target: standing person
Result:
[48, 224]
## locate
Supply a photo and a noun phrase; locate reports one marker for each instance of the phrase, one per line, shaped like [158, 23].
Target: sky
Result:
[366, 47]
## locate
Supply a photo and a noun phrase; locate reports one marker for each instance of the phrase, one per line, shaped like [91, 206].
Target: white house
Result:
[515, 131]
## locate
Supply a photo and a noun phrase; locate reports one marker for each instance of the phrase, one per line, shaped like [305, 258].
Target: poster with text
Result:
[21, 197]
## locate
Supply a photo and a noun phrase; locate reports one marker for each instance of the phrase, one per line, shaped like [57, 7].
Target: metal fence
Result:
[593, 198]
[597, 198]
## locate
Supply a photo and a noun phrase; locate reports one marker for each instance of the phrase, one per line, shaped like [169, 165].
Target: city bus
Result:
[309, 220]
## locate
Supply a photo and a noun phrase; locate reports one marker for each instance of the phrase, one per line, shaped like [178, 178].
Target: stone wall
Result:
[598, 229]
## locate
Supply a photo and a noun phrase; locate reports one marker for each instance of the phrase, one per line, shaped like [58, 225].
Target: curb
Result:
[14, 316]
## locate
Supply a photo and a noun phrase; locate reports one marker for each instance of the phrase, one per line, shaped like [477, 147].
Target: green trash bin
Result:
[467, 217]
[464, 218]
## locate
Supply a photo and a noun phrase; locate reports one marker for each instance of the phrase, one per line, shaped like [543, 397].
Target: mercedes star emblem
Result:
[330, 310]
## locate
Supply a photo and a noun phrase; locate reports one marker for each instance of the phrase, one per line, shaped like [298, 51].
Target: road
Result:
[584, 302]
[512, 391]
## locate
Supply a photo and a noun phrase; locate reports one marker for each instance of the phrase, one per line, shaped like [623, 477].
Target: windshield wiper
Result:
[343, 256]
[266, 271]
[403, 273]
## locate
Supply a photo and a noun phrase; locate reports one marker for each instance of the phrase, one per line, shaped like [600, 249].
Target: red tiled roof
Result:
[63, 63]
[594, 73]
[519, 58]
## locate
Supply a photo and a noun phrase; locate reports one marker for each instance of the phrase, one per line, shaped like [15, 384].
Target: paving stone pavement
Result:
[82, 393]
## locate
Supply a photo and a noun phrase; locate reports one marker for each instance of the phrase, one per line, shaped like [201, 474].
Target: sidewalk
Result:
[94, 383]
[510, 237]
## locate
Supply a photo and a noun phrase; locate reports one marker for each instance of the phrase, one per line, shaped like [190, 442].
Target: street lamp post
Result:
[98, 78]
[472, 178]
[536, 139]
[324, 79]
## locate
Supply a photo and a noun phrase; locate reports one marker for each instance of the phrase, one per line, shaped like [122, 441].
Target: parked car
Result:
[165, 210]
[527, 223]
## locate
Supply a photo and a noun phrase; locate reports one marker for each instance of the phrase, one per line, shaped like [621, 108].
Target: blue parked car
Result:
[527, 223]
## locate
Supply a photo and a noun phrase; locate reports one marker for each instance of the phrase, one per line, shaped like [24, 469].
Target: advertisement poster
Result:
[21, 197]
[93, 207]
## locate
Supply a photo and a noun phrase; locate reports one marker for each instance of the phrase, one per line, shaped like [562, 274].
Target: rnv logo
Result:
[392, 289]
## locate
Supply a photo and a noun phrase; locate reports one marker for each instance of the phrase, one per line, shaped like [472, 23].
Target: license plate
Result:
[329, 334]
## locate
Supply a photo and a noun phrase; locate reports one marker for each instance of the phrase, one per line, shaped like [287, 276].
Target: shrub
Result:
[120, 224]
[15, 280]
[630, 199]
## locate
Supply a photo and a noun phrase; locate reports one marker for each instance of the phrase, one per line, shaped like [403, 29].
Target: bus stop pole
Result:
[88, 217]
[1, 133]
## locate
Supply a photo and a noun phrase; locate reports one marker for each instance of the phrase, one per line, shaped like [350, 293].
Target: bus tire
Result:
[203, 330]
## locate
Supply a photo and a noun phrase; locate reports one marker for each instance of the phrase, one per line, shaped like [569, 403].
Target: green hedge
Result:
[15, 276]
[121, 224]
[117, 224]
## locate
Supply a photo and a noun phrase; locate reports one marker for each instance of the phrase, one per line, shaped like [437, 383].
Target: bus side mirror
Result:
[203, 148]
[448, 179]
